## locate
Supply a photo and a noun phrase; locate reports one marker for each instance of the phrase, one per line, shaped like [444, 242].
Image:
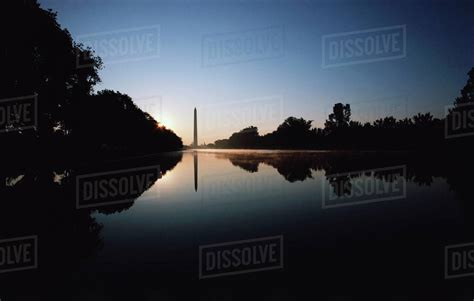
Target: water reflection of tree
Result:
[293, 166]
[341, 167]
[40, 201]
[245, 163]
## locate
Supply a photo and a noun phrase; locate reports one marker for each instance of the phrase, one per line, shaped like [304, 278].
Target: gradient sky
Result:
[439, 53]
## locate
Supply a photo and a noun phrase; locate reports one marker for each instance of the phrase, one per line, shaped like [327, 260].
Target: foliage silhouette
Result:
[39, 57]
[339, 118]
[420, 132]
[119, 127]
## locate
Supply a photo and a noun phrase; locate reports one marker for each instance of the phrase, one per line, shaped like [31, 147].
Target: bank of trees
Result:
[39, 57]
[421, 131]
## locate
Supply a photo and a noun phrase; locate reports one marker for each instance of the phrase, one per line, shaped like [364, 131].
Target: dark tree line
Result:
[422, 131]
[39, 57]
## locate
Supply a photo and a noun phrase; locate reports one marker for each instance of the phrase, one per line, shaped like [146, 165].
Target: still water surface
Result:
[223, 196]
[393, 239]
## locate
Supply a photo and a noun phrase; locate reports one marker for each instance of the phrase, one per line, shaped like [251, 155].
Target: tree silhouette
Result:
[339, 118]
[423, 120]
[467, 92]
[294, 125]
[247, 137]
[38, 57]
[119, 126]
[386, 123]
[420, 132]
[460, 118]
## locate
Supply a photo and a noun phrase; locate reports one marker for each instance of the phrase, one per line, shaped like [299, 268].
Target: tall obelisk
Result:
[195, 145]
[195, 142]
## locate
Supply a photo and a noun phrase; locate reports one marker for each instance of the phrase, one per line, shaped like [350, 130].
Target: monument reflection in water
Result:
[195, 158]
[245, 195]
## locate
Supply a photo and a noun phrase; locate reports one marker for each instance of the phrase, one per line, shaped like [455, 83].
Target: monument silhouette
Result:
[195, 145]
[195, 142]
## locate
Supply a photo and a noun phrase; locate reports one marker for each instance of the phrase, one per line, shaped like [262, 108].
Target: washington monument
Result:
[195, 142]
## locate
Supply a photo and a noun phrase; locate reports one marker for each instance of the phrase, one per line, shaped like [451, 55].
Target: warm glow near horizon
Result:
[183, 63]
[167, 121]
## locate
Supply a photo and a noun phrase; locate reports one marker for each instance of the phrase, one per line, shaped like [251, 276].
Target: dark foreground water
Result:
[347, 225]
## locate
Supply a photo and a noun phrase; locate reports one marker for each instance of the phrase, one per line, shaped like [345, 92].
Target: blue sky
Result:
[439, 53]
